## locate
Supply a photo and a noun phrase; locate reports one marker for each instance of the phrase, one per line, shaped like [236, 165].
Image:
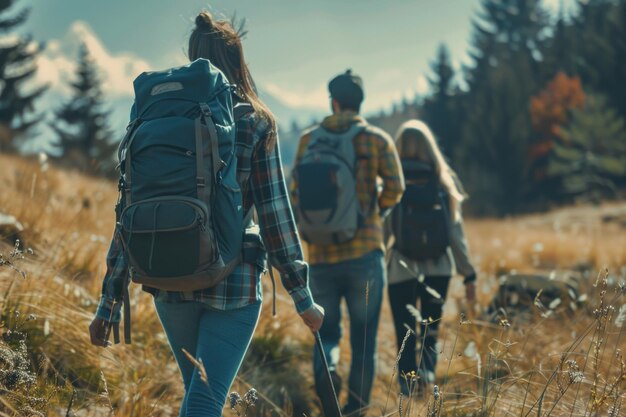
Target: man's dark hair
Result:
[347, 90]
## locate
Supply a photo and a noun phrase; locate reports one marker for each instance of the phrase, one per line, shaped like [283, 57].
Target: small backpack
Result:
[180, 217]
[328, 209]
[420, 222]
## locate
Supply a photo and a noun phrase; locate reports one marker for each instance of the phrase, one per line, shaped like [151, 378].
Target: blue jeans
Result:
[351, 279]
[219, 337]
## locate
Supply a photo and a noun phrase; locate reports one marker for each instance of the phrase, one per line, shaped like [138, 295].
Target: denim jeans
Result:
[219, 337]
[360, 282]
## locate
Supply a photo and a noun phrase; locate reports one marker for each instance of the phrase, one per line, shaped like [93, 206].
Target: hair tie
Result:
[204, 23]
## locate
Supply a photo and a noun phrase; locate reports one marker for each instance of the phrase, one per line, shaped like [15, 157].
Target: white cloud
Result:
[54, 68]
[422, 85]
[393, 91]
[386, 89]
[57, 63]
[298, 97]
[57, 68]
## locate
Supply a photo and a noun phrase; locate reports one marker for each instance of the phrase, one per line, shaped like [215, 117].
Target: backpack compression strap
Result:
[127, 338]
[212, 137]
[125, 150]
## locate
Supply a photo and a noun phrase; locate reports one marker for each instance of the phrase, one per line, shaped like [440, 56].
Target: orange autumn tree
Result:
[549, 111]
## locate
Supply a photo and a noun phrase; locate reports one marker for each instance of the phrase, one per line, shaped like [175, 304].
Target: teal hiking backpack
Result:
[180, 215]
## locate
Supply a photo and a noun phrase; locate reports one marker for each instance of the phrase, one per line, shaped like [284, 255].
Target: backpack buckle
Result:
[205, 109]
[200, 181]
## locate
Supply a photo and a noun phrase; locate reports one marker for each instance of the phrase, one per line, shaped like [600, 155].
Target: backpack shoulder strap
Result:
[316, 133]
[372, 130]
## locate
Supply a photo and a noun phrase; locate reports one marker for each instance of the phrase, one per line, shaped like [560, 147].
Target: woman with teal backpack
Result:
[216, 324]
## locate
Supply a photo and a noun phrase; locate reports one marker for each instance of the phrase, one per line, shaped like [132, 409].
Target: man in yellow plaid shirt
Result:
[353, 269]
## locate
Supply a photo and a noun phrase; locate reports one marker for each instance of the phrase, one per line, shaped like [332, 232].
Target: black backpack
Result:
[420, 222]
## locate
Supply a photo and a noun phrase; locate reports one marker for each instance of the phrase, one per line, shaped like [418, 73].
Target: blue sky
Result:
[293, 46]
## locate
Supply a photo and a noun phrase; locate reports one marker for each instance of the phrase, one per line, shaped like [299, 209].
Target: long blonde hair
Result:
[415, 136]
[219, 42]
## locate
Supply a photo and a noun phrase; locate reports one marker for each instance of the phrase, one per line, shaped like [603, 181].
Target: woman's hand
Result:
[99, 332]
[313, 317]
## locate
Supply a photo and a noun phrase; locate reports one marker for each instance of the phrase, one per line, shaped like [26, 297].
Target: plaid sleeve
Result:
[278, 228]
[113, 283]
[390, 170]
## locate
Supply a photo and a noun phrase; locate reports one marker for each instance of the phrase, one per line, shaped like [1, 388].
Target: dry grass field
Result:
[552, 362]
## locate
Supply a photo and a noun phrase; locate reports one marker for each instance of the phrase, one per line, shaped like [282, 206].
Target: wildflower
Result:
[571, 294]
[43, 161]
[470, 351]
[234, 399]
[251, 397]
[537, 302]
[574, 374]
[621, 316]
[464, 320]
[554, 303]
[414, 312]
[46, 328]
[436, 392]
[433, 292]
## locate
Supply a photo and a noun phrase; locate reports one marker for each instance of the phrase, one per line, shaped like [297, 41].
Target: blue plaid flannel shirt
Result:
[262, 182]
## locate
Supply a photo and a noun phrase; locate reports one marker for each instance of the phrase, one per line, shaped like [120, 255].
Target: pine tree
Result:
[593, 26]
[440, 109]
[591, 160]
[619, 48]
[562, 50]
[493, 155]
[507, 29]
[16, 67]
[84, 137]
[600, 29]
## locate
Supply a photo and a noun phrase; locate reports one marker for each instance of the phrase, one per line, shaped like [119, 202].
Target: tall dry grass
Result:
[558, 364]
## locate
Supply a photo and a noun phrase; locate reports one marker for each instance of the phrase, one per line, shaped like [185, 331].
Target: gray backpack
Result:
[328, 209]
